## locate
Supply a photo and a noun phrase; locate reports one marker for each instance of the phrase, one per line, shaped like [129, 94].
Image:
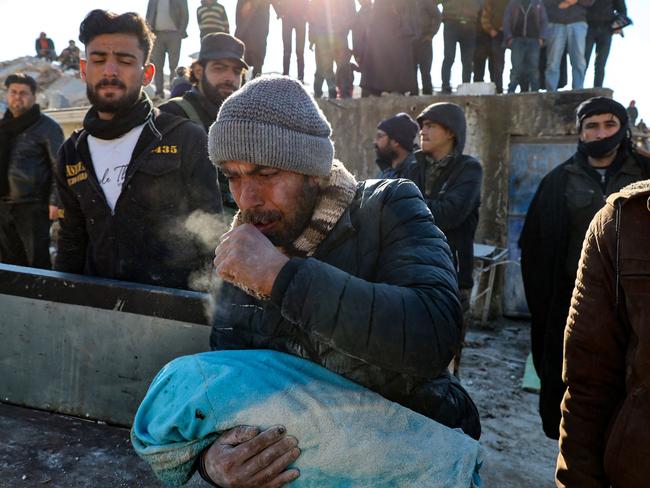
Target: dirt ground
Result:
[41, 449]
[517, 454]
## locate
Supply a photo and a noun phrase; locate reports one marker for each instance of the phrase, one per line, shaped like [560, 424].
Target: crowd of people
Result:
[395, 36]
[370, 279]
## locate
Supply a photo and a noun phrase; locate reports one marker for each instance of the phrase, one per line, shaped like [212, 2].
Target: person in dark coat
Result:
[557, 220]
[599, 34]
[360, 31]
[524, 30]
[450, 182]
[428, 20]
[388, 63]
[44, 47]
[136, 185]
[490, 43]
[330, 22]
[394, 142]
[29, 141]
[351, 275]
[252, 19]
[460, 18]
[219, 71]
[294, 19]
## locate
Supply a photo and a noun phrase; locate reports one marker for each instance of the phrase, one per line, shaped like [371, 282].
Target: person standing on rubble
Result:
[29, 141]
[555, 226]
[133, 178]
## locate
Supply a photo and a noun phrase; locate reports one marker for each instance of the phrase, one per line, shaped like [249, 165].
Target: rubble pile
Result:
[56, 88]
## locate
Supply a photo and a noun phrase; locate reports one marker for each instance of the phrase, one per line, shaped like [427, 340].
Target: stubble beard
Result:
[290, 226]
[112, 106]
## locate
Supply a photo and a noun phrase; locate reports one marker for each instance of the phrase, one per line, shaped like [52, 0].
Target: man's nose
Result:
[250, 195]
[110, 68]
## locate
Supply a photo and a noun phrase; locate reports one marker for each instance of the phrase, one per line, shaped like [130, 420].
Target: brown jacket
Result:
[605, 433]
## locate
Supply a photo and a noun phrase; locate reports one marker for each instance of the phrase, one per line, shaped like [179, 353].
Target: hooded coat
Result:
[605, 440]
[454, 197]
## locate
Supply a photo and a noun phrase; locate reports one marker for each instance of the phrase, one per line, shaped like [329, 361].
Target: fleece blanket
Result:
[349, 435]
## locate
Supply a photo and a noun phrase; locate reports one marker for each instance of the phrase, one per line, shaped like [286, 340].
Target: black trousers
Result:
[463, 33]
[25, 234]
[490, 49]
[423, 56]
[288, 26]
[599, 35]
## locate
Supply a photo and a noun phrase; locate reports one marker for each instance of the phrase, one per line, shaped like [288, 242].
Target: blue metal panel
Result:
[530, 161]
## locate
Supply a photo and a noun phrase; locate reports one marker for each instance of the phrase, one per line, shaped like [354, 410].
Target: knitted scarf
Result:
[336, 193]
[123, 122]
[10, 127]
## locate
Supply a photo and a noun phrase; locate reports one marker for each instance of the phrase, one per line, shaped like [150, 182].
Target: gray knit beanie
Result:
[273, 121]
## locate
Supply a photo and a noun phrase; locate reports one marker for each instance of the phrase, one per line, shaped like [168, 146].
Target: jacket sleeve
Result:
[53, 142]
[407, 319]
[452, 207]
[594, 363]
[73, 239]
[586, 3]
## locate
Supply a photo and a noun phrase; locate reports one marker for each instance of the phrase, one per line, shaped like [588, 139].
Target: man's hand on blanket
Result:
[245, 458]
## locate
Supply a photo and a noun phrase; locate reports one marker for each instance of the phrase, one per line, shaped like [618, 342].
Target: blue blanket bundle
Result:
[349, 435]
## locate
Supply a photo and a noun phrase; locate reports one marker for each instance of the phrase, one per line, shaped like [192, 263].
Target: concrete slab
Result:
[57, 451]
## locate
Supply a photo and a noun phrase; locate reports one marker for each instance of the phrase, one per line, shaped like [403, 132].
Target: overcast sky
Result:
[628, 71]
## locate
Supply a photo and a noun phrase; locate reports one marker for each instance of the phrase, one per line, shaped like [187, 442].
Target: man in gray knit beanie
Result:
[353, 276]
[273, 121]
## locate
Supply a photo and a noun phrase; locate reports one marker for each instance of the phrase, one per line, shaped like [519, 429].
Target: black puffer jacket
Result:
[32, 161]
[146, 238]
[378, 304]
[454, 202]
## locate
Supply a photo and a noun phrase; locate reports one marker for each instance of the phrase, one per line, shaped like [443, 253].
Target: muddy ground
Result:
[517, 454]
[41, 449]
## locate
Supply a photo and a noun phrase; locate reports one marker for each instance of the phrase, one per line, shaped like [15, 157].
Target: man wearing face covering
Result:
[557, 221]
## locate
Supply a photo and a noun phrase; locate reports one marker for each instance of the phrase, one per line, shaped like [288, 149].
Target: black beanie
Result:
[599, 106]
[401, 128]
[448, 115]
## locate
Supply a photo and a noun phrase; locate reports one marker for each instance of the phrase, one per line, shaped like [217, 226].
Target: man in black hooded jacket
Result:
[555, 226]
[136, 184]
[451, 184]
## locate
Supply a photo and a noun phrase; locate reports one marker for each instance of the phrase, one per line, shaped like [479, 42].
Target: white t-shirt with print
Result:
[110, 160]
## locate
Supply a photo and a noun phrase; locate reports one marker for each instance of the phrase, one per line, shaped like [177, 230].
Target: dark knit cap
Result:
[599, 106]
[273, 121]
[222, 46]
[448, 115]
[401, 128]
